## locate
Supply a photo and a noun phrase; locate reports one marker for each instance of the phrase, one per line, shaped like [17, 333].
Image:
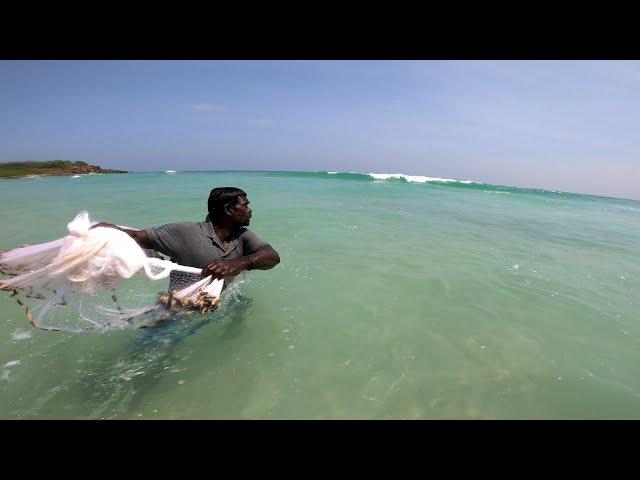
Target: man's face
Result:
[240, 213]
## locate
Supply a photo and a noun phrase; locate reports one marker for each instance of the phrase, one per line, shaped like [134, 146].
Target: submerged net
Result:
[179, 280]
[73, 283]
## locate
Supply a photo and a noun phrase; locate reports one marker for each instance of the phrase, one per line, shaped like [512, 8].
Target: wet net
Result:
[87, 281]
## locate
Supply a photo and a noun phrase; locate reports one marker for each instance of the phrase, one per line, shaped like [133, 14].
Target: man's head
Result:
[230, 204]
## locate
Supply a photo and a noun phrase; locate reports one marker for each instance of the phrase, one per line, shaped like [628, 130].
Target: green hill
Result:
[54, 167]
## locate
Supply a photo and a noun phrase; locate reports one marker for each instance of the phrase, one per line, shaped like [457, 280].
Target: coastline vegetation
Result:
[53, 167]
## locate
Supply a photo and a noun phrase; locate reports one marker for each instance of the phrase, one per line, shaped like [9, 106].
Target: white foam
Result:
[12, 363]
[20, 335]
[414, 178]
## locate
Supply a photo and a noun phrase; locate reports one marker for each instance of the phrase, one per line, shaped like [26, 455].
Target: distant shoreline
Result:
[49, 169]
[85, 169]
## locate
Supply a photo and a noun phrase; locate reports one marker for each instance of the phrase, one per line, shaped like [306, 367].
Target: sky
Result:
[561, 125]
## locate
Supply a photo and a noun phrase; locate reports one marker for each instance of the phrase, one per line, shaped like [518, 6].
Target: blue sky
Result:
[562, 125]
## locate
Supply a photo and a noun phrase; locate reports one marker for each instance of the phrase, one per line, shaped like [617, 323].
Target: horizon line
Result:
[356, 173]
[368, 173]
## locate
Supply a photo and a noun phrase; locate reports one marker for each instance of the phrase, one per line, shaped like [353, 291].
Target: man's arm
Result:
[140, 236]
[264, 258]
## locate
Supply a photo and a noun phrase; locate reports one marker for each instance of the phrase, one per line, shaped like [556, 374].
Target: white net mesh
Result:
[179, 280]
[74, 283]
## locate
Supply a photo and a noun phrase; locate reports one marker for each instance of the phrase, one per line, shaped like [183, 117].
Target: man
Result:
[221, 245]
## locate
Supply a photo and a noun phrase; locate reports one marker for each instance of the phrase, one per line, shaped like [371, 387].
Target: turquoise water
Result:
[393, 299]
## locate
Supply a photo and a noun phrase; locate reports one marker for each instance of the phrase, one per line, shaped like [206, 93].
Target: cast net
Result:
[87, 281]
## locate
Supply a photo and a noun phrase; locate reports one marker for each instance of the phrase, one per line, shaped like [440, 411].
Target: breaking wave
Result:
[398, 177]
[415, 178]
[449, 182]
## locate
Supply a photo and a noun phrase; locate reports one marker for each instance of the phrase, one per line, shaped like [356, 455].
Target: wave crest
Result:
[415, 178]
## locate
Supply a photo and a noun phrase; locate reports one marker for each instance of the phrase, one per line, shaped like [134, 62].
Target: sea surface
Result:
[397, 297]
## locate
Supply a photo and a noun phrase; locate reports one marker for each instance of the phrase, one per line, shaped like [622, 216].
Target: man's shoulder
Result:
[176, 227]
[197, 227]
[244, 232]
[251, 239]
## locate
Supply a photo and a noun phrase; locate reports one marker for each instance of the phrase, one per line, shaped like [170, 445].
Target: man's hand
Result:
[221, 268]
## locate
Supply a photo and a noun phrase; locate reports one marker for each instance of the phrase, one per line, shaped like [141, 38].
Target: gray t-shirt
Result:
[195, 244]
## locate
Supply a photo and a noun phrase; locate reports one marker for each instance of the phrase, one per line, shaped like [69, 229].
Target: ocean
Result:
[397, 297]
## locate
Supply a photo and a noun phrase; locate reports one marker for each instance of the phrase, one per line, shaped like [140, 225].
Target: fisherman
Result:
[221, 245]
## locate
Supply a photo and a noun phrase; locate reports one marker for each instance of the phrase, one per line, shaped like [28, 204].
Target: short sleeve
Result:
[251, 242]
[167, 239]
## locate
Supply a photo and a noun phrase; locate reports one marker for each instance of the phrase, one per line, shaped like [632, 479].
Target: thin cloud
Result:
[261, 122]
[207, 107]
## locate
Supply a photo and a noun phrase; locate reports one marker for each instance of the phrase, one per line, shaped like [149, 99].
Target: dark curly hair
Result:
[221, 197]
